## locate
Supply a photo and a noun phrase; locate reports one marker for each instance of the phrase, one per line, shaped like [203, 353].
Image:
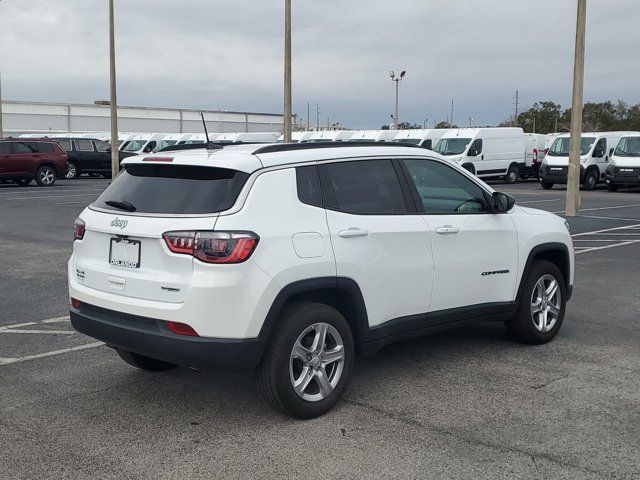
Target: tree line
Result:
[549, 117]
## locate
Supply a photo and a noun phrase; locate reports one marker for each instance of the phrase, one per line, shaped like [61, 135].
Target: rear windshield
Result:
[173, 189]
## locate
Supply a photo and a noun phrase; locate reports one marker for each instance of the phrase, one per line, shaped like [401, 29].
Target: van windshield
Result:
[172, 189]
[560, 147]
[452, 146]
[628, 147]
[134, 145]
[410, 141]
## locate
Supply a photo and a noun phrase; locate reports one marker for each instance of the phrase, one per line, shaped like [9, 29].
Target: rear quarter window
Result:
[174, 189]
[65, 145]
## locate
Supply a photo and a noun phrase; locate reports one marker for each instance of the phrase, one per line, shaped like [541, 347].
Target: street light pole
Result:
[287, 71]
[115, 156]
[397, 80]
[1, 130]
[573, 173]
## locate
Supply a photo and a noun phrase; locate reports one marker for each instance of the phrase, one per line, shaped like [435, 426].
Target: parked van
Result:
[534, 153]
[248, 137]
[426, 138]
[324, 136]
[143, 143]
[595, 150]
[364, 136]
[624, 165]
[296, 137]
[386, 135]
[486, 152]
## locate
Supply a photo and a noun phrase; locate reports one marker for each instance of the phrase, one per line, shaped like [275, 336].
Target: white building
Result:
[38, 117]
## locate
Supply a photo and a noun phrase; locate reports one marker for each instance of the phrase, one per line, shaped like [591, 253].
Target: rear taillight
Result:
[78, 229]
[181, 329]
[535, 155]
[213, 247]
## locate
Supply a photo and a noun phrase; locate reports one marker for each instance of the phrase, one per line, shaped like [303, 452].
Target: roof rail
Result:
[287, 147]
[192, 146]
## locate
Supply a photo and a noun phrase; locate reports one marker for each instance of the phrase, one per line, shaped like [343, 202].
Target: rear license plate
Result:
[124, 253]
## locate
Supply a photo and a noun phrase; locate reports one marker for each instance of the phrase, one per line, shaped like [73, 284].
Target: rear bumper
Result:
[150, 337]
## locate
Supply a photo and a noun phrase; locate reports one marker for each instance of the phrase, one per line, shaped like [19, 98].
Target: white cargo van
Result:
[365, 136]
[624, 165]
[248, 137]
[426, 138]
[386, 135]
[328, 136]
[595, 150]
[296, 137]
[534, 153]
[143, 143]
[168, 141]
[486, 152]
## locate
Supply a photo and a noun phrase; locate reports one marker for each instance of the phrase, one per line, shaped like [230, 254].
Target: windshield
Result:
[135, 145]
[166, 143]
[628, 147]
[560, 147]
[173, 189]
[411, 141]
[452, 146]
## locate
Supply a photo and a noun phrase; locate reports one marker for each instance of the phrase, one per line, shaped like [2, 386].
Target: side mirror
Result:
[502, 202]
[598, 153]
[611, 151]
[473, 153]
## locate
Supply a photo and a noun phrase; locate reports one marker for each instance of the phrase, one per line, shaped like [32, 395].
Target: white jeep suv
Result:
[291, 259]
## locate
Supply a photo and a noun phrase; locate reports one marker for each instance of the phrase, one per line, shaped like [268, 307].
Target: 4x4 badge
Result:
[119, 223]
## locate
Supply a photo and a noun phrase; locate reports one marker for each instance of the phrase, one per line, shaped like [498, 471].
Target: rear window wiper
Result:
[122, 205]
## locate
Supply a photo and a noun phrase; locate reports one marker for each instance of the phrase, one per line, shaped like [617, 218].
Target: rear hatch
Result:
[123, 251]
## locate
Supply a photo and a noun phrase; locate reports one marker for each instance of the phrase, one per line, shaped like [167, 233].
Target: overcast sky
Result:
[223, 54]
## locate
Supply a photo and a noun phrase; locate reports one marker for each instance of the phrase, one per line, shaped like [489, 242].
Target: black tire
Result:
[546, 185]
[142, 362]
[273, 375]
[469, 167]
[45, 176]
[23, 182]
[612, 187]
[512, 174]
[590, 180]
[72, 172]
[522, 327]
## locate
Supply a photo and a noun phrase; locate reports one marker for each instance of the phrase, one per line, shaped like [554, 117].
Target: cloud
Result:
[228, 54]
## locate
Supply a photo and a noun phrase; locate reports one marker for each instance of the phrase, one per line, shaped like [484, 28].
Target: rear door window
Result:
[5, 148]
[22, 148]
[365, 187]
[65, 145]
[41, 147]
[174, 189]
[101, 146]
[84, 145]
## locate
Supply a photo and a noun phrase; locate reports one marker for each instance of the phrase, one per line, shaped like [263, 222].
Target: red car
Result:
[22, 161]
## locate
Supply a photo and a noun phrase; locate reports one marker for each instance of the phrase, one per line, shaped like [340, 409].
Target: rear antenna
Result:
[209, 144]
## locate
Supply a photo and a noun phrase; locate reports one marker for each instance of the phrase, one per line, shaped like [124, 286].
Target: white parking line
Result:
[57, 190]
[45, 332]
[603, 208]
[593, 249]
[53, 196]
[28, 324]
[608, 232]
[540, 201]
[611, 218]
[8, 361]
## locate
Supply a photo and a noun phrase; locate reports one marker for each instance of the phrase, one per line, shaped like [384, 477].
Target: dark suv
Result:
[21, 161]
[87, 155]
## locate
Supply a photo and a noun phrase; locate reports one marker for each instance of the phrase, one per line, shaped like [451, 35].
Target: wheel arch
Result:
[47, 164]
[556, 253]
[341, 293]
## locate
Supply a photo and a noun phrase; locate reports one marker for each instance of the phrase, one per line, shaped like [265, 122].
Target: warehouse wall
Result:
[34, 117]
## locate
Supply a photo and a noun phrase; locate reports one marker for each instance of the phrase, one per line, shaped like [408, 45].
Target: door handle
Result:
[353, 232]
[447, 230]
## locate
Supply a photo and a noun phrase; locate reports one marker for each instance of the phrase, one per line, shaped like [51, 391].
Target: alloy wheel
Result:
[71, 172]
[47, 176]
[546, 302]
[316, 362]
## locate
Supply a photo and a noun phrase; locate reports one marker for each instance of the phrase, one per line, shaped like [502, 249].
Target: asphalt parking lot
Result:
[467, 403]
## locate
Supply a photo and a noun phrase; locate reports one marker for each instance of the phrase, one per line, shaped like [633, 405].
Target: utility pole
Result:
[1, 130]
[287, 71]
[397, 79]
[115, 154]
[308, 116]
[317, 116]
[534, 124]
[515, 119]
[451, 117]
[573, 174]
[470, 121]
